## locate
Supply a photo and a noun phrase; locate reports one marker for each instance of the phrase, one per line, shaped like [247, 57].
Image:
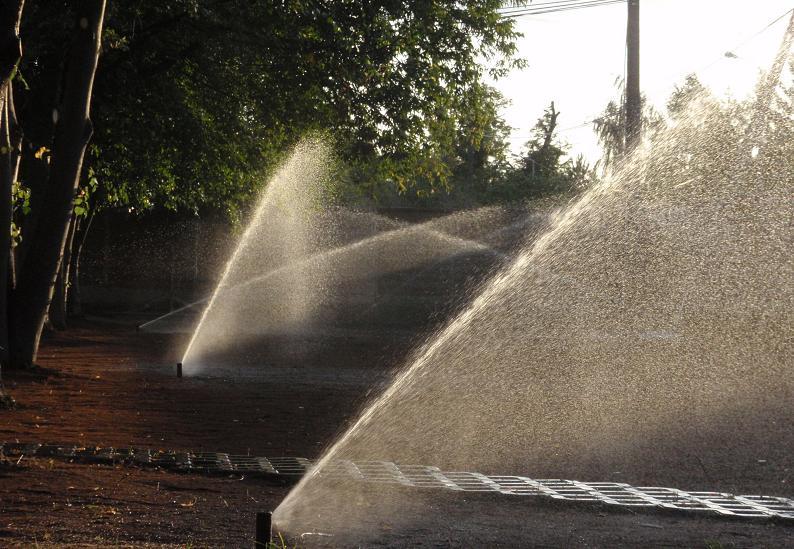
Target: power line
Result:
[556, 7]
[730, 53]
[737, 46]
[538, 5]
[571, 7]
[561, 130]
[541, 5]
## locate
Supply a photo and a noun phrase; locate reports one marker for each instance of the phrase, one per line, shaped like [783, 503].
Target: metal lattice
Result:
[421, 476]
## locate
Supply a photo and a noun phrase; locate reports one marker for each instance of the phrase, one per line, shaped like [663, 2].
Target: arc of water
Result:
[260, 209]
[563, 221]
[320, 256]
[502, 257]
[296, 264]
[207, 298]
[341, 250]
[172, 313]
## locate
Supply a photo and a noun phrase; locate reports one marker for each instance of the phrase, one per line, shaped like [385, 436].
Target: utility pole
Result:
[633, 97]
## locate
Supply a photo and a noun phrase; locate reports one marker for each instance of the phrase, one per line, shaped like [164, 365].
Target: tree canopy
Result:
[194, 99]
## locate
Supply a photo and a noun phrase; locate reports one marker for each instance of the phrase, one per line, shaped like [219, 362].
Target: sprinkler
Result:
[178, 369]
[264, 529]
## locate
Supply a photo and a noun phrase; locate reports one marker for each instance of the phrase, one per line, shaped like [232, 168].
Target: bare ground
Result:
[110, 386]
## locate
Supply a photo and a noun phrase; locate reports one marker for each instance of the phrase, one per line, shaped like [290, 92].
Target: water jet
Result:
[653, 316]
[302, 270]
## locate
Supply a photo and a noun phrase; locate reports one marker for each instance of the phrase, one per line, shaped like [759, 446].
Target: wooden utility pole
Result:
[633, 96]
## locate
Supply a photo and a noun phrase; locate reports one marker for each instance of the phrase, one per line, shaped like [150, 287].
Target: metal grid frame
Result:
[421, 476]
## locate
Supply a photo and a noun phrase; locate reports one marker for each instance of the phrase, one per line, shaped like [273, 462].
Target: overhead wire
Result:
[555, 7]
[539, 5]
[606, 2]
[743, 42]
[763, 30]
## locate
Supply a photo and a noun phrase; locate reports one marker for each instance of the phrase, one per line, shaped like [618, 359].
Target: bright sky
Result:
[575, 57]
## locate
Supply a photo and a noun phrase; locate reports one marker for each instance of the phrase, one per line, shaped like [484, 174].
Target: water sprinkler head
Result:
[264, 529]
[178, 369]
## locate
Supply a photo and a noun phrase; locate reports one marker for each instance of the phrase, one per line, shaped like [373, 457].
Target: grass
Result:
[280, 543]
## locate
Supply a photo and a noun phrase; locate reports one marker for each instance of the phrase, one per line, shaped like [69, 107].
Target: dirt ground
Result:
[110, 386]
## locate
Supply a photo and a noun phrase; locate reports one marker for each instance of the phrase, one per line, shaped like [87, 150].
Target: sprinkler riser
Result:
[264, 529]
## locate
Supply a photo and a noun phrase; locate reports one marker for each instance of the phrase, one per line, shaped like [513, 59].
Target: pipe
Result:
[264, 529]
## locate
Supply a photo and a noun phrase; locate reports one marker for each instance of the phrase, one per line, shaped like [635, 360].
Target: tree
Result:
[195, 116]
[217, 98]
[199, 98]
[481, 146]
[73, 130]
[543, 152]
[612, 127]
[543, 169]
[683, 96]
[10, 54]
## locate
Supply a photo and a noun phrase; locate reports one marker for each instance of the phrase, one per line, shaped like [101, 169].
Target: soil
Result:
[107, 385]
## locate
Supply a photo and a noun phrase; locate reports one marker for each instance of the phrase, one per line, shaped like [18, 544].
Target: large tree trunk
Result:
[10, 154]
[73, 131]
[36, 174]
[10, 54]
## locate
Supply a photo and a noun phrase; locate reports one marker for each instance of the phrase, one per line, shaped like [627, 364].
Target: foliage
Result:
[196, 99]
[683, 96]
[611, 127]
[472, 157]
[481, 171]
[481, 145]
[82, 201]
[543, 155]
[543, 169]
[20, 204]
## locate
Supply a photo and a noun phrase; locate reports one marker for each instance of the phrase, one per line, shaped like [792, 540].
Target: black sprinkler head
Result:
[264, 529]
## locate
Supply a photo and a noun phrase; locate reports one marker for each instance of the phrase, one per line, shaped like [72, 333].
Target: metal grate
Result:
[421, 476]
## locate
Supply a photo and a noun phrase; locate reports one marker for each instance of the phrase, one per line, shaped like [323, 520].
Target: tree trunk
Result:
[106, 248]
[75, 302]
[72, 133]
[12, 271]
[552, 127]
[57, 312]
[10, 54]
[8, 174]
[56, 316]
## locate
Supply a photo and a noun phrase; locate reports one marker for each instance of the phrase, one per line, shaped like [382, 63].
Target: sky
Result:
[576, 56]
